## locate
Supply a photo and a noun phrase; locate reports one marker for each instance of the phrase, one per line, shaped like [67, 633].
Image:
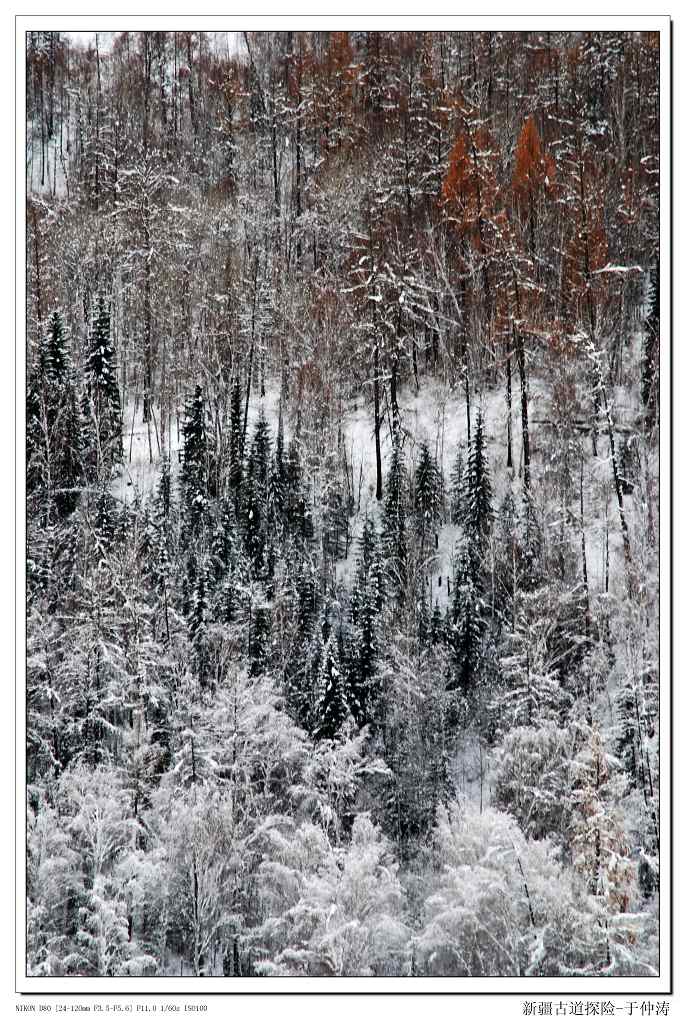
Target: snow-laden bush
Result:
[531, 778]
[501, 904]
[347, 921]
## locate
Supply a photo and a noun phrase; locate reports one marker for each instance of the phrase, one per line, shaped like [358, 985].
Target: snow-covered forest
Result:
[342, 504]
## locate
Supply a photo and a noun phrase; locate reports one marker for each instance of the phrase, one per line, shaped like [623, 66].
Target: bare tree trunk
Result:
[97, 124]
[36, 260]
[191, 95]
[601, 390]
[377, 423]
[147, 317]
[508, 396]
[298, 162]
[521, 365]
[584, 566]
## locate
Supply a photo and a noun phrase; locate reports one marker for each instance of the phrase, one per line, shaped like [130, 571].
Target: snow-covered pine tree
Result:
[104, 518]
[198, 621]
[437, 626]
[365, 604]
[163, 504]
[278, 478]
[467, 626]
[259, 646]
[224, 539]
[478, 511]
[255, 495]
[236, 443]
[54, 437]
[333, 709]
[457, 481]
[102, 388]
[260, 455]
[428, 492]
[532, 692]
[195, 456]
[423, 618]
[394, 525]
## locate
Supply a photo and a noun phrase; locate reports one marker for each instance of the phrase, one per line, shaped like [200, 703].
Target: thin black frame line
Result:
[671, 586]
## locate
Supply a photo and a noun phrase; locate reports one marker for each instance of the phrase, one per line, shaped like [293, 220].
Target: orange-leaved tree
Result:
[533, 177]
[470, 199]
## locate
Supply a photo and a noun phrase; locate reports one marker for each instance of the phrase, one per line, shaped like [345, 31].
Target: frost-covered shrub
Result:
[347, 921]
[531, 778]
[502, 904]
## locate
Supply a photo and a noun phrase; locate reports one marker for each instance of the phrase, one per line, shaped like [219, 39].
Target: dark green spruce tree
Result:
[260, 633]
[365, 604]
[255, 495]
[103, 404]
[394, 523]
[195, 461]
[428, 493]
[467, 625]
[199, 616]
[457, 482]
[54, 435]
[333, 704]
[478, 496]
[278, 479]
[236, 444]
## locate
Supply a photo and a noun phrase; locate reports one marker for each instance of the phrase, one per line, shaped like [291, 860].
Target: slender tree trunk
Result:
[36, 261]
[521, 365]
[97, 125]
[191, 95]
[584, 566]
[601, 390]
[298, 162]
[42, 131]
[147, 317]
[508, 396]
[250, 359]
[395, 408]
[415, 370]
[377, 423]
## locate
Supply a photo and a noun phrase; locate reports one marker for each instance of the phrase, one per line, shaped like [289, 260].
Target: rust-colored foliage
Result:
[470, 192]
[600, 845]
[534, 170]
[334, 77]
[299, 65]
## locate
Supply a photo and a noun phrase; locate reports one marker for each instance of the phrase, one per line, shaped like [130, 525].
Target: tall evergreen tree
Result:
[199, 615]
[428, 491]
[457, 481]
[394, 522]
[278, 478]
[437, 628]
[260, 632]
[333, 709]
[236, 443]
[298, 511]
[54, 436]
[478, 512]
[256, 492]
[260, 454]
[102, 389]
[467, 624]
[195, 454]
[365, 604]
